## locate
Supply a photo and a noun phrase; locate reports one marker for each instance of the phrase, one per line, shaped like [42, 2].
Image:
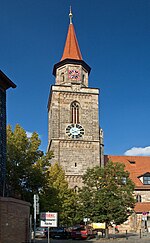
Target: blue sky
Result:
[114, 39]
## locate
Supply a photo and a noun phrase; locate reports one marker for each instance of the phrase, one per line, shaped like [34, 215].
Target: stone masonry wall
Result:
[145, 195]
[74, 155]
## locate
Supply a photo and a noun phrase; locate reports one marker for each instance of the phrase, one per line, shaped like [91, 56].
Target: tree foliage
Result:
[107, 194]
[24, 176]
[58, 197]
[29, 171]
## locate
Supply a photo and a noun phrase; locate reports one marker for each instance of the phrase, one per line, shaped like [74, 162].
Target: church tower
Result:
[74, 134]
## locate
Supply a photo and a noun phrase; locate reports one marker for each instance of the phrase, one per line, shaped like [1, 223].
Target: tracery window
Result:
[75, 112]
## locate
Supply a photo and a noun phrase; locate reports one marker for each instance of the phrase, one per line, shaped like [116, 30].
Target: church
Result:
[74, 132]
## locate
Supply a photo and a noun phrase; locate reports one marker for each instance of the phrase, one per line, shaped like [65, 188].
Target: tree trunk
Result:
[106, 231]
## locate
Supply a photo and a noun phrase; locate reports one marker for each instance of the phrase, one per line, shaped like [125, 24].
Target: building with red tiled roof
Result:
[136, 165]
[139, 169]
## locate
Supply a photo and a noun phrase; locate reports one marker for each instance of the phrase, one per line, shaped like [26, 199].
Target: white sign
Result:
[48, 219]
[144, 217]
[86, 220]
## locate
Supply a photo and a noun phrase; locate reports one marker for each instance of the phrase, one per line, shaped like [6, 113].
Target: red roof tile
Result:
[71, 50]
[142, 207]
[136, 165]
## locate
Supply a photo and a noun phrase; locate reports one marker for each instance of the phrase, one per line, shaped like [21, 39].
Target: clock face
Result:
[75, 130]
[74, 74]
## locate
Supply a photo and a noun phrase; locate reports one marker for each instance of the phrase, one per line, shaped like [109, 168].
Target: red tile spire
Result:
[71, 49]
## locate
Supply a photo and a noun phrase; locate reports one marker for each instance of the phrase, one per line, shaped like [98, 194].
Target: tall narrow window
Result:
[75, 112]
[76, 189]
[83, 78]
[62, 77]
[138, 198]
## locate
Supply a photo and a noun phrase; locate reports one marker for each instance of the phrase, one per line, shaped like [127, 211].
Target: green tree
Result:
[29, 171]
[107, 194]
[25, 165]
[58, 197]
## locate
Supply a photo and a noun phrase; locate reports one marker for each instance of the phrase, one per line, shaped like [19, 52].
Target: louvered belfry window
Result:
[75, 112]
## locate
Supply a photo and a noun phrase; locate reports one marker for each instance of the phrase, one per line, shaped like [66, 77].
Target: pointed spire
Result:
[71, 50]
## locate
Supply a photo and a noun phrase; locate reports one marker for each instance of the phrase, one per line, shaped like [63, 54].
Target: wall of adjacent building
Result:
[2, 139]
[145, 195]
[14, 220]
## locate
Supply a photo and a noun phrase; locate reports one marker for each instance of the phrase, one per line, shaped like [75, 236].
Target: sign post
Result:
[144, 218]
[48, 236]
[48, 219]
[86, 220]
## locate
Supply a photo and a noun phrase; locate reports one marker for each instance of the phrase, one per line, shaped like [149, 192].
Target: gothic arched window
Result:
[75, 112]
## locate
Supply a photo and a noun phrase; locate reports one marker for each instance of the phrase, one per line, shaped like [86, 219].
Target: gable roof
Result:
[5, 82]
[136, 165]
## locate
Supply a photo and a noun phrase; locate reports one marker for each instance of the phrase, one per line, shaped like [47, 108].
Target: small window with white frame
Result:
[146, 179]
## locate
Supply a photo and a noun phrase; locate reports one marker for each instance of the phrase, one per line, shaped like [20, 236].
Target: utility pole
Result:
[36, 211]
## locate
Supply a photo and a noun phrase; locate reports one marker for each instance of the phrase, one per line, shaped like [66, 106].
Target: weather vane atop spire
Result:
[70, 15]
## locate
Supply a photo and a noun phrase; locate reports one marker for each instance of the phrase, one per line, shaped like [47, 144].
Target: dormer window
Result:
[146, 179]
[132, 162]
